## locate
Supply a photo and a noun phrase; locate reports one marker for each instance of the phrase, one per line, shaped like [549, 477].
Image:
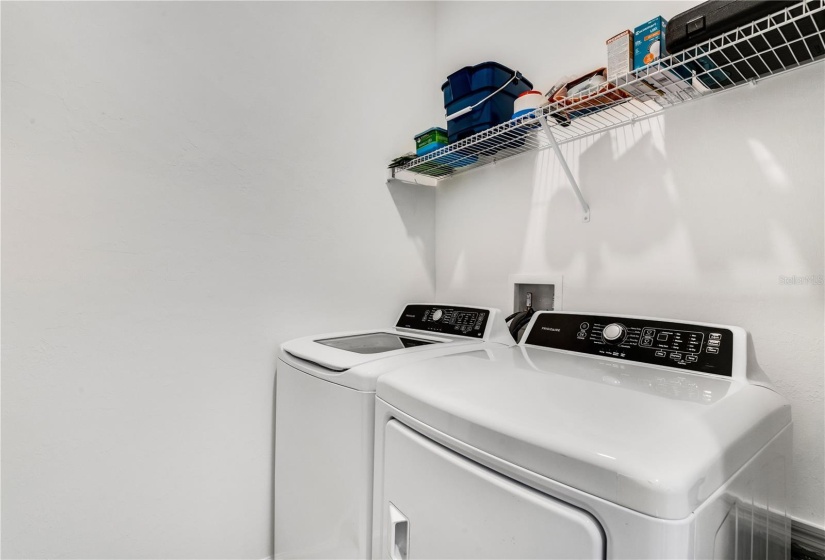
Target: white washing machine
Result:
[324, 412]
[597, 437]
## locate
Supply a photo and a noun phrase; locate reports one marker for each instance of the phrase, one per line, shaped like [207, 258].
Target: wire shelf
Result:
[788, 39]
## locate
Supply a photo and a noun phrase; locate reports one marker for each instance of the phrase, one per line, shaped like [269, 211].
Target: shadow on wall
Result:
[623, 178]
[416, 207]
[719, 189]
[749, 188]
[711, 171]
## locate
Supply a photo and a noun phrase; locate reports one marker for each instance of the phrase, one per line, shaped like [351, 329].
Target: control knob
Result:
[437, 314]
[614, 333]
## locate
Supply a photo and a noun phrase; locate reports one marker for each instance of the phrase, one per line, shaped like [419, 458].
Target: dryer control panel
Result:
[462, 321]
[661, 343]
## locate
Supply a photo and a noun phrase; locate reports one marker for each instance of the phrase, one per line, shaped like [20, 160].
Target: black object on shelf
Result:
[773, 50]
[713, 18]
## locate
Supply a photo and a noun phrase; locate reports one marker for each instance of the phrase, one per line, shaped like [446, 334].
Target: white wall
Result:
[185, 186]
[695, 215]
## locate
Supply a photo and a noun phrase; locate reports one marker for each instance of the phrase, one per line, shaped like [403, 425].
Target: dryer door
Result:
[439, 504]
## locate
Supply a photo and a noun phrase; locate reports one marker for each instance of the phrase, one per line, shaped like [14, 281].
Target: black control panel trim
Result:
[452, 320]
[661, 343]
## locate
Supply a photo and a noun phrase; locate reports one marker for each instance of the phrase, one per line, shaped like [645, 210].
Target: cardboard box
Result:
[649, 42]
[619, 55]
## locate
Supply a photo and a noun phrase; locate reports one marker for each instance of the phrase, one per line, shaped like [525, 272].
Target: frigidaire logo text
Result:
[550, 329]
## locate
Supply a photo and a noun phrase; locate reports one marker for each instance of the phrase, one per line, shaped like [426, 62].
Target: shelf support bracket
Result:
[410, 178]
[555, 145]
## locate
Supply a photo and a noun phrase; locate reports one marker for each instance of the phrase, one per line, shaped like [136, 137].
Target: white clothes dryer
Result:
[597, 437]
[324, 413]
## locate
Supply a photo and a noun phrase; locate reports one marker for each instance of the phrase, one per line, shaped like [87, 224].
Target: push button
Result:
[662, 337]
[713, 343]
[711, 350]
[675, 356]
[661, 354]
[584, 326]
[715, 336]
[691, 358]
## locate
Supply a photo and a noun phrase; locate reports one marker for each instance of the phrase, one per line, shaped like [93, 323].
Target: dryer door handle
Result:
[399, 534]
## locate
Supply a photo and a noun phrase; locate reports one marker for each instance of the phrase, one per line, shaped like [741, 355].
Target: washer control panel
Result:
[661, 343]
[462, 321]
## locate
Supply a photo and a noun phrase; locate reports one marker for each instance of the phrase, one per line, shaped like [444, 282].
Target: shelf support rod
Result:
[563, 162]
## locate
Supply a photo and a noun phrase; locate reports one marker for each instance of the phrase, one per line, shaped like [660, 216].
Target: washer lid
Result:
[342, 351]
[355, 359]
[656, 440]
[375, 342]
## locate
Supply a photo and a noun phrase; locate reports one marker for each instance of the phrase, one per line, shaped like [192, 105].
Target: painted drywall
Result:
[695, 215]
[185, 186]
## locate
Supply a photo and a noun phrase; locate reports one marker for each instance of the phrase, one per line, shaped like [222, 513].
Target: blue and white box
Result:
[649, 42]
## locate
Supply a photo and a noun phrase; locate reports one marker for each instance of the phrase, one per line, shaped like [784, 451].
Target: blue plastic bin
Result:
[470, 85]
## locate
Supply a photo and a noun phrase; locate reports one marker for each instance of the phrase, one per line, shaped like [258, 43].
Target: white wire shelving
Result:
[786, 40]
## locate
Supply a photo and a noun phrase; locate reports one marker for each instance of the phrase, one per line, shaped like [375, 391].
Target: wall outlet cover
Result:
[547, 291]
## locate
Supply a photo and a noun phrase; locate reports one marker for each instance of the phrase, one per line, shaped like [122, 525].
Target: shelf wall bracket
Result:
[410, 178]
[555, 145]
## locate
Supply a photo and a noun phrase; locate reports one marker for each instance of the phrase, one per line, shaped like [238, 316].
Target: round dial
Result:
[614, 332]
[437, 314]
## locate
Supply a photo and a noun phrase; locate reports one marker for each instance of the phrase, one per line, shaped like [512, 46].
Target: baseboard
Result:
[807, 541]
